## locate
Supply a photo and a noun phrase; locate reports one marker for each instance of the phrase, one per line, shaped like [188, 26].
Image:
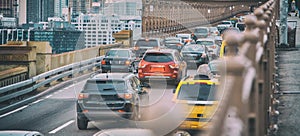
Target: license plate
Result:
[115, 62]
[157, 69]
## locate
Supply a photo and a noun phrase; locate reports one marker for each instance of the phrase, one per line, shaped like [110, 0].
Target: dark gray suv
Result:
[110, 96]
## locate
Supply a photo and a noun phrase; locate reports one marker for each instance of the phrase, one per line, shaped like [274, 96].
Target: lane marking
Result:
[11, 112]
[48, 96]
[37, 101]
[61, 127]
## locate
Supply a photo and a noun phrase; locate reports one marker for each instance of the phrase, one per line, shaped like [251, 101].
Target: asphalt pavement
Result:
[55, 114]
[289, 84]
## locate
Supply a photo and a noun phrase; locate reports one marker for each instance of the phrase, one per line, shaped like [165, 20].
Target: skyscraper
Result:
[39, 10]
[59, 6]
[8, 7]
[78, 6]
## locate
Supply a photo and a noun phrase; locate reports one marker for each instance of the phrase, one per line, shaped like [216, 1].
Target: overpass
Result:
[249, 85]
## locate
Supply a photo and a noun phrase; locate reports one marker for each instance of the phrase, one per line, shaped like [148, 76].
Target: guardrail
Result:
[27, 86]
[248, 104]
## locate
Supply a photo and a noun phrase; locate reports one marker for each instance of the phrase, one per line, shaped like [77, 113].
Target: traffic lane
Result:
[161, 116]
[46, 114]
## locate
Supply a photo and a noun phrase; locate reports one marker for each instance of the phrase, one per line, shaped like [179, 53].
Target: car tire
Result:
[82, 124]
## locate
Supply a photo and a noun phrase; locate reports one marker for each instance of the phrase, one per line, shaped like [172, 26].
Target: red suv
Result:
[162, 64]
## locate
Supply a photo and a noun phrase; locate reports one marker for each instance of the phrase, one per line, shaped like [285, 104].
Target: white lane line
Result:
[11, 112]
[48, 96]
[37, 101]
[61, 127]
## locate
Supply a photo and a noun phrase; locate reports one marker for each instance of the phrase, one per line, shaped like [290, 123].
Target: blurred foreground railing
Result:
[247, 105]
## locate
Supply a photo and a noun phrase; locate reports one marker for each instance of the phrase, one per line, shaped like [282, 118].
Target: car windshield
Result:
[158, 57]
[213, 29]
[206, 43]
[192, 48]
[197, 92]
[104, 85]
[147, 43]
[117, 53]
[201, 30]
[183, 36]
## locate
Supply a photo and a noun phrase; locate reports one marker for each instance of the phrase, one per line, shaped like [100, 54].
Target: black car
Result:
[195, 55]
[143, 44]
[110, 96]
[119, 60]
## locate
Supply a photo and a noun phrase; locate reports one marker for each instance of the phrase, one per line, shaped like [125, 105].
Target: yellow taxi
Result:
[199, 93]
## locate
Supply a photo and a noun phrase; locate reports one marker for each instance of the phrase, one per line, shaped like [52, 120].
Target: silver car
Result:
[213, 49]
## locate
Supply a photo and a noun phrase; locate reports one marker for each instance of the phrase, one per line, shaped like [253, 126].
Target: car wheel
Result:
[82, 124]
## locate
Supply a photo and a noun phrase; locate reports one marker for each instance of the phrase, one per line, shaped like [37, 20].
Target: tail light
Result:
[142, 65]
[103, 62]
[125, 96]
[174, 66]
[203, 55]
[214, 46]
[82, 96]
[127, 62]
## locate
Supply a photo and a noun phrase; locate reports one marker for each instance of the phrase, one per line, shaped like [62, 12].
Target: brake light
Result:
[125, 96]
[203, 55]
[214, 46]
[127, 62]
[83, 96]
[174, 66]
[178, 44]
[103, 62]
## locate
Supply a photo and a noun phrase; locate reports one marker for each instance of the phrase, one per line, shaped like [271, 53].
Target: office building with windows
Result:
[98, 28]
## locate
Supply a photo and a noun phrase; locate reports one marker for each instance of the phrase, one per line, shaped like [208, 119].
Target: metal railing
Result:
[45, 79]
[247, 105]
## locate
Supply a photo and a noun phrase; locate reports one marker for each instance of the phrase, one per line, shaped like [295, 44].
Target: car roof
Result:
[205, 39]
[167, 38]
[194, 44]
[116, 76]
[183, 34]
[198, 78]
[121, 49]
[160, 50]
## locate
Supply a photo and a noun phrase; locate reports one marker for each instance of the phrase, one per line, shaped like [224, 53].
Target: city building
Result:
[8, 8]
[77, 7]
[7, 22]
[59, 7]
[98, 28]
[123, 8]
[62, 36]
[39, 10]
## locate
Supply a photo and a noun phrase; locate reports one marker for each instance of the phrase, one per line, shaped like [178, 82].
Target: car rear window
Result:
[201, 30]
[197, 92]
[206, 43]
[158, 57]
[117, 53]
[104, 85]
[147, 43]
[192, 48]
